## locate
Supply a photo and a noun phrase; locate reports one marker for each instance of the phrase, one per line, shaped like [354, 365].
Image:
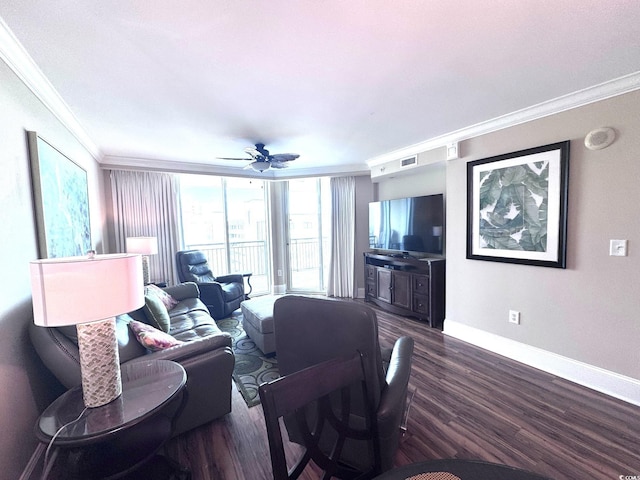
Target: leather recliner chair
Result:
[311, 330]
[222, 295]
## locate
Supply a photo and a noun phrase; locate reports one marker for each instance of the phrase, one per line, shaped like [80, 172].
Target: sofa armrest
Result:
[183, 290]
[190, 349]
[392, 400]
[58, 352]
[209, 366]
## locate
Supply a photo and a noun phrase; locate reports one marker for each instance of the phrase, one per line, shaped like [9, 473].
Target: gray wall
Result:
[26, 388]
[589, 311]
[427, 180]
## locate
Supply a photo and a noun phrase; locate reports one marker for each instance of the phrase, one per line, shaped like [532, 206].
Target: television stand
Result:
[406, 285]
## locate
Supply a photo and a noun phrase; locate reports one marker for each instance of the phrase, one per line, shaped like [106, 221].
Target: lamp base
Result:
[99, 362]
[146, 276]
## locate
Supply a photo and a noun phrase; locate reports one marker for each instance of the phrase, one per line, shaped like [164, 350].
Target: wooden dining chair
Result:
[318, 398]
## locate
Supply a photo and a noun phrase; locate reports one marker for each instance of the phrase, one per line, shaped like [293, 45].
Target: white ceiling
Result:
[337, 81]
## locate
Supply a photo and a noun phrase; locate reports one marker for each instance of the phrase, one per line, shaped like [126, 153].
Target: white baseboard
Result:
[279, 289]
[596, 378]
[360, 293]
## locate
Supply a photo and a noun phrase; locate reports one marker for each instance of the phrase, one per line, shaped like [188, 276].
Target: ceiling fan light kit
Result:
[263, 160]
[260, 166]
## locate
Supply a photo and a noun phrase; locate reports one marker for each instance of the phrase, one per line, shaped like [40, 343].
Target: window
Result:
[309, 212]
[226, 218]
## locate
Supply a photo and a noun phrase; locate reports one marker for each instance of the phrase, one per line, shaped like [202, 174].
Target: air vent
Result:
[408, 162]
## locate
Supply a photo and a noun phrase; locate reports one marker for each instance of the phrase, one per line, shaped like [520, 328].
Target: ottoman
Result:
[257, 322]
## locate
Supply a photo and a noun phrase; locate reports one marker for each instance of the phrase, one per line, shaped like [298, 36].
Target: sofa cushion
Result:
[128, 345]
[152, 338]
[188, 305]
[193, 325]
[156, 312]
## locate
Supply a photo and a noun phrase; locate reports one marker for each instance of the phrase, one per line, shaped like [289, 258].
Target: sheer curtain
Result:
[146, 204]
[343, 219]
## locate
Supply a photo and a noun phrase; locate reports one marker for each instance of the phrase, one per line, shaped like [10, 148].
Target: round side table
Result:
[111, 441]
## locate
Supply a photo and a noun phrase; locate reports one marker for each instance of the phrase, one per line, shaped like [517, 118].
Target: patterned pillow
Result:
[156, 312]
[152, 338]
[164, 297]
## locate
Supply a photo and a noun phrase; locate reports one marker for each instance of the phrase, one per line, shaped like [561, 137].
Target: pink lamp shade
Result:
[89, 292]
[142, 245]
[73, 290]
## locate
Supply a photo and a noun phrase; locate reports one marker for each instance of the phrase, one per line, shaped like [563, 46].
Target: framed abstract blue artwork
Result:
[517, 207]
[61, 201]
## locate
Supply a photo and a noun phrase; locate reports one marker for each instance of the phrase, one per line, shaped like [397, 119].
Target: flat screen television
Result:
[414, 224]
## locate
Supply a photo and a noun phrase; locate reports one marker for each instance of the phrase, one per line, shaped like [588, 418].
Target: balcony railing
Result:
[243, 256]
[304, 253]
[252, 257]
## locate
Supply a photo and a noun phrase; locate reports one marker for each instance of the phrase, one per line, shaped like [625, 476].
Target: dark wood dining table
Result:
[457, 469]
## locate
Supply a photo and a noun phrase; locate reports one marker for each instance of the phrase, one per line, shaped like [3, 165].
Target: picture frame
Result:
[61, 201]
[517, 206]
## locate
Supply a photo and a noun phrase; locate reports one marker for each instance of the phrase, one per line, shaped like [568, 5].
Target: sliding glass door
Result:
[226, 218]
[308, 216]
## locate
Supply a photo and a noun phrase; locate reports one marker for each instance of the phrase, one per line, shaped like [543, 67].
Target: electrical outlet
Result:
[514, 317]
[618, 248]
[279, 272]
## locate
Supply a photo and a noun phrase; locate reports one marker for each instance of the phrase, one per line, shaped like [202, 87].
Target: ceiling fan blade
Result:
[262, 160]
[254, 152]
[277, 164]
[284, 157]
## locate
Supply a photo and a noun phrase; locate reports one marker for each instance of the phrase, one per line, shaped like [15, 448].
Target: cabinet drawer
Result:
[372, 289]
[421, 304]
[370, 272]
[421, 284]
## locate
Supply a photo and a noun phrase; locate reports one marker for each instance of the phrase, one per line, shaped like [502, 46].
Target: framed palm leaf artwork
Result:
[517, 206]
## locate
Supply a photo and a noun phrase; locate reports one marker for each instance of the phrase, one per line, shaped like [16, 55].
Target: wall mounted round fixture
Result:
[599, 138]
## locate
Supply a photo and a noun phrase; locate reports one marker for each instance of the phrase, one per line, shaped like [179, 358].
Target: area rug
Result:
[252, 366]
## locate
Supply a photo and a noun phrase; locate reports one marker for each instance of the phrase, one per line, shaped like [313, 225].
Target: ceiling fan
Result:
[263, 160]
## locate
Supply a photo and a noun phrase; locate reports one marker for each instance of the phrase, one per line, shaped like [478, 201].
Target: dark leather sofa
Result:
[205, 354]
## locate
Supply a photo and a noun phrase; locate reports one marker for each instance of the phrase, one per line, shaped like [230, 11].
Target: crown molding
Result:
[116, 162]
[612, 88]
[20, 62]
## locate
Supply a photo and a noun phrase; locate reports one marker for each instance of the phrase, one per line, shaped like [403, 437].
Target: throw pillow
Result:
[156, 312]
[151, 338]
[164, 297]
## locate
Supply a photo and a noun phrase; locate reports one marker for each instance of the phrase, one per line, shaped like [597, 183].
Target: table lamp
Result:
[89, 292]
[145, 246]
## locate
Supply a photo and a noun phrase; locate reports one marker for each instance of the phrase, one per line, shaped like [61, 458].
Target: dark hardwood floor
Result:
[468, 403]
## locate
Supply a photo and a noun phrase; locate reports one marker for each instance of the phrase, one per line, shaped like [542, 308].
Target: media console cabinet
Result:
[406, 285]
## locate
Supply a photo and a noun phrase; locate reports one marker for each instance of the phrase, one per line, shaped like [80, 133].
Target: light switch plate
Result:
[618, 248]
